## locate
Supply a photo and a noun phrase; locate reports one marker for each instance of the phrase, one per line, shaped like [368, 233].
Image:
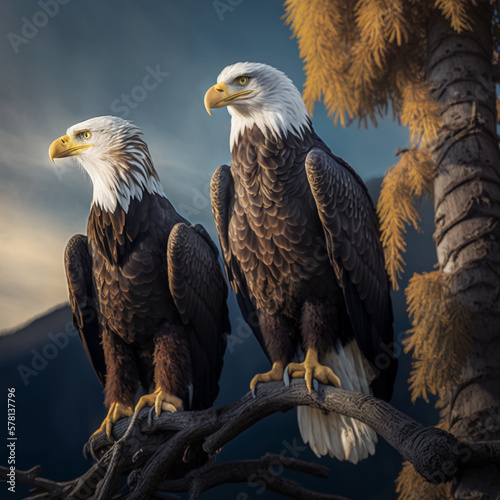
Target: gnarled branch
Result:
[151, 453]
[263, 473]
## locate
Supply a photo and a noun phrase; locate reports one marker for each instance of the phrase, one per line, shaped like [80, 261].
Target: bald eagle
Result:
[146, 289]
[301, 250]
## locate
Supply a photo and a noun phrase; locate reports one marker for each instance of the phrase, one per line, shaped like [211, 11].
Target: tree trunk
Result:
[467, 214]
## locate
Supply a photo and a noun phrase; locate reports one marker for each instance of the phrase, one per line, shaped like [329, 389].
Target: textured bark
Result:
[257, 472]
[150, 453]
[467, 212]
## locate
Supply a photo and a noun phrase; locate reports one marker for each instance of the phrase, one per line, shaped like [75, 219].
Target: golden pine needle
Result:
[321, 28]
[371, 22]
[421, 171]
[411, 177]
[398, 23]
[396, 209]
[353, 50]
[360, 56]
[456, 12]
[419, 111]
[440, 334]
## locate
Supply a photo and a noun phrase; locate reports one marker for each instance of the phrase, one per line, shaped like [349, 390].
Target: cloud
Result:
[32, 278]
[84, 59]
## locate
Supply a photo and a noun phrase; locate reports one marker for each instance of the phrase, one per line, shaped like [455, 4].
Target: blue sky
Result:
[65, 61]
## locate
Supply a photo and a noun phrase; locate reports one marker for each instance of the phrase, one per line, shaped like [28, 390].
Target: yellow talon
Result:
[161, 401]
[116, 411]
[311, 369]
[274, 375]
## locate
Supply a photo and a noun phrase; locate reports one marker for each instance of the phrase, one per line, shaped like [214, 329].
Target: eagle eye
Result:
[85, 134]
[242, 80]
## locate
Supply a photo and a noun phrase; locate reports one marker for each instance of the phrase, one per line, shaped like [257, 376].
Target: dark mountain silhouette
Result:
[59, 399]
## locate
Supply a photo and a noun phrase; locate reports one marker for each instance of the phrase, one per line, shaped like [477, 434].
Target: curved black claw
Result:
[254, 391]
[151, 414]
[286, 377]
[86, 450]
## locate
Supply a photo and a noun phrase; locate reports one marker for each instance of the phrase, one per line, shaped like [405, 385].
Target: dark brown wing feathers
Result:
[199, 292]
[275, 211]
[351, 229]
[222, 193]
[126, 260]
[83, 301]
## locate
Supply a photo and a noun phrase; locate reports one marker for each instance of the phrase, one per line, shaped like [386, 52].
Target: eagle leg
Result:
[311, 369]
[116, 411]
[274, 375]
[278, 333]
[160, 400]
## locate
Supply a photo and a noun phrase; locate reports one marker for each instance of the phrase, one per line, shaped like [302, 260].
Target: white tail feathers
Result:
[336, 435]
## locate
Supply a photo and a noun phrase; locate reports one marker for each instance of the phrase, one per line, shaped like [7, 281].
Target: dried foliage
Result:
[420, 112]
[327, 57]
[361, 55]
[440, 334]
[440, 341]
[360, 58]
[409, 179]
[456, 12]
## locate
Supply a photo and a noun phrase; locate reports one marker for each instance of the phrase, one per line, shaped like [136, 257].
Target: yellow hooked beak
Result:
[219, 96]
[64, 147]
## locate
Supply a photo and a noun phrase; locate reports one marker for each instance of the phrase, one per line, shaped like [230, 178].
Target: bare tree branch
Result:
[149, 453]
[30, 477]
[264, 473]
